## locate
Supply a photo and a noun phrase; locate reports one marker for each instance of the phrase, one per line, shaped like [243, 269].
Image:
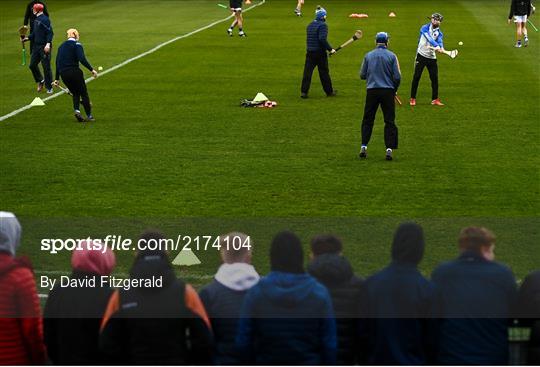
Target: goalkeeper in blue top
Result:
[430, 42]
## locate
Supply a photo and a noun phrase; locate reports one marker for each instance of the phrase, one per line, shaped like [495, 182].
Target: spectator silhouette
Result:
[157, 325]
[287, 318]
[21, 330]
[529, 312]
[223, 297]
[73, 315]
[400, 305]
[478, 295]
[335, 272]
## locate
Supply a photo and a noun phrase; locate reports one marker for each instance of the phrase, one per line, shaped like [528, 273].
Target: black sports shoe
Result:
[303, 95]
[79, 117]
[388, 155]
[333, 94]
[229, 32]
[363, 152]
[241, 34]
[90, 118]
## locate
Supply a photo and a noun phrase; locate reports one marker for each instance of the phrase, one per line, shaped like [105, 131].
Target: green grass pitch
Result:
[172, 149]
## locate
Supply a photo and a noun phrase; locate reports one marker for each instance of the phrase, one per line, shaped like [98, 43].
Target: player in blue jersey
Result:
[429, 43]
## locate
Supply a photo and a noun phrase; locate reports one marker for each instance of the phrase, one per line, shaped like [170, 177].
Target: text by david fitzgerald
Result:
[100, 281]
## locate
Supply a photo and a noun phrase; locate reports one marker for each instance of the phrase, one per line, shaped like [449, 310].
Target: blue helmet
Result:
[382, 37]
[320, 13]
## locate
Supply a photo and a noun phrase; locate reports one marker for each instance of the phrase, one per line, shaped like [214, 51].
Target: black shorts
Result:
[235, 5]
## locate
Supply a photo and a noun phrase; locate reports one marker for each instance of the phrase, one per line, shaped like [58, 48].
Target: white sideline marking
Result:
[151, 51]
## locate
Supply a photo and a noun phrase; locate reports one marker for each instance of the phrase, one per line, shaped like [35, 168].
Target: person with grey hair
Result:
[224, 296]
[21, 330]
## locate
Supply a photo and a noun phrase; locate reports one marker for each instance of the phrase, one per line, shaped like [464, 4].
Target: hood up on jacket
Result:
[331, 269]
[10, 233]
[408, 245]
[90, 259]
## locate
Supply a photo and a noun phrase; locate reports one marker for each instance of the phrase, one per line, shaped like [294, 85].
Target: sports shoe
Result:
[363, 152]
[90, 118]
[229, 32]
[297, 12]
[526, 42]
[40, 86]
[437, 102]
[79, 117]
[333, 94]
[388, 154]
[303, 95]
[518, 44]
[241, 34]
[412, 101]
[50, 91]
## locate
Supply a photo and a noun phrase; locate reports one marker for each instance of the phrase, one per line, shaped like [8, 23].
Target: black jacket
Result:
[335, 272]
[156, 326]
[529, 312]
[223, 306]
[71, 322]
[520, 7]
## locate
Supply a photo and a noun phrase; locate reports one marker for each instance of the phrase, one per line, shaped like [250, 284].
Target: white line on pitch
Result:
[151, 51]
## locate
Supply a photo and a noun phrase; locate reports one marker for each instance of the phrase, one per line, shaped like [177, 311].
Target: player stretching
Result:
[430, 41]
[298, 10]
[236, 8]
[520, 10]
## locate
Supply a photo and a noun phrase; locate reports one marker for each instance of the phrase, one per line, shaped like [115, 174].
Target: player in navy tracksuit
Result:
[70, 53]
[430, 41]
[317, 45]
[30, 17]
[41, 40]
[520, 10]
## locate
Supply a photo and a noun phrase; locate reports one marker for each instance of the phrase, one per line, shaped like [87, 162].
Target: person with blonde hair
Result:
[70, 54]
[224, 296]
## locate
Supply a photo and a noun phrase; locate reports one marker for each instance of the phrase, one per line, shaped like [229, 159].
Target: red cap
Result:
[38, 7]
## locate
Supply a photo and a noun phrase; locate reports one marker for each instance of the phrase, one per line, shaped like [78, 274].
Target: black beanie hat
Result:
[286, 253]
[408, 245]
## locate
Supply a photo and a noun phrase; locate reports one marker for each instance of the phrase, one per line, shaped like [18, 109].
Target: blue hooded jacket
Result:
[287, 319]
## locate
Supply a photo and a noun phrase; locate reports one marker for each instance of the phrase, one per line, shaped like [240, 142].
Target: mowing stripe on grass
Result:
[151, 51]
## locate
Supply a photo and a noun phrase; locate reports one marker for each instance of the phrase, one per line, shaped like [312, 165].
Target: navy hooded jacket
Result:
[287, 319]
[477, 300]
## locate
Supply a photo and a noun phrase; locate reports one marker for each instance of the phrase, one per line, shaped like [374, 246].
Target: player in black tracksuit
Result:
[29, 16]
[317, 45]
[70, 53]
[520, 10]
[41, 37]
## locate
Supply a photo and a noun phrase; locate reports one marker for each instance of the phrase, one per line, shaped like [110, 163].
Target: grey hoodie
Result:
[10, 233]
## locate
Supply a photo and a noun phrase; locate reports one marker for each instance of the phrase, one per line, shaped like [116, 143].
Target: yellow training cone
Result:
[37, 102]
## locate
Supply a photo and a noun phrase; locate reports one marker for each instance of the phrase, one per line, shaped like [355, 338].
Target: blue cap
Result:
[320, 13]
[382, 37]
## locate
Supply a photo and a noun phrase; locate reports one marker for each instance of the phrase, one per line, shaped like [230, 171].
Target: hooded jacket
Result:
[21, 332]
[477, 298]
[222, 300]
[159, 325]
[72, 315]
[400, 306]
[336, 274]
[287, 319]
